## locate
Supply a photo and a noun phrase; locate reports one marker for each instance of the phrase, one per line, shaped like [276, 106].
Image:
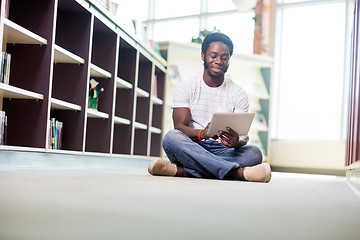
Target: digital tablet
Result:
[239, 122]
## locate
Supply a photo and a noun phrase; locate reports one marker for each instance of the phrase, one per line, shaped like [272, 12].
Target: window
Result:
[239, 27]
[179, 31]
[169, 9]
[310, 53]
[183, 20]
[129, 10]
[217, 6]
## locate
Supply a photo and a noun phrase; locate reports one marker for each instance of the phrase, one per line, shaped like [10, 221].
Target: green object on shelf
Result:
[94, 93]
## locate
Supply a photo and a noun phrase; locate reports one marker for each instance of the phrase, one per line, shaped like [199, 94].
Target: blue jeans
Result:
[208, 159]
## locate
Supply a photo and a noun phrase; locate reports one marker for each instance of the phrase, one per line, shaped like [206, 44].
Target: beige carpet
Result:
[111, 204]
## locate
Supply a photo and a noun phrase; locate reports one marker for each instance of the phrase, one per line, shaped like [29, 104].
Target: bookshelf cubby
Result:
[57, 47]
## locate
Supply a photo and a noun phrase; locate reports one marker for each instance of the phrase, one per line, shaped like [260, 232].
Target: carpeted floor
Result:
[106, 204]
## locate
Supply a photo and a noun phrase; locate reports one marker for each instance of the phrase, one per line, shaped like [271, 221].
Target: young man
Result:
[194, 153]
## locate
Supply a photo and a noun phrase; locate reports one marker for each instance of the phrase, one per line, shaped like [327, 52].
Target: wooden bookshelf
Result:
[57, 47]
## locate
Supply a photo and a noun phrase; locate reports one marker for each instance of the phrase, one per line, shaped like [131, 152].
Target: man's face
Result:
[216, 59]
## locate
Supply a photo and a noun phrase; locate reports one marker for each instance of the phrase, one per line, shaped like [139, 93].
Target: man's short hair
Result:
[217, 37]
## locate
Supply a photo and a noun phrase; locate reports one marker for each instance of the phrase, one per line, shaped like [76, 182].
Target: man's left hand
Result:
[230, 138]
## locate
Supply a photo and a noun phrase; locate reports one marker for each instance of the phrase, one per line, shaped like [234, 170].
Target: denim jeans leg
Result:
[196, 160]
[245, 156]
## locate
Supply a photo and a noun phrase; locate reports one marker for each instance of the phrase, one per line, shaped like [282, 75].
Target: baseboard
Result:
[336, 172]
[353, 175]
[14, 160]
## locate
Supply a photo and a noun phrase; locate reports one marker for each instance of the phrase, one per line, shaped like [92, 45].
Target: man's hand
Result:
[230, 138]
[205, 136]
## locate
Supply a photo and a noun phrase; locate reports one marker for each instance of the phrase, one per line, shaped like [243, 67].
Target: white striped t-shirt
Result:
[203, 100]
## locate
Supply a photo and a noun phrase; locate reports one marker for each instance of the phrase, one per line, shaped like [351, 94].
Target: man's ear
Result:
[202, 56]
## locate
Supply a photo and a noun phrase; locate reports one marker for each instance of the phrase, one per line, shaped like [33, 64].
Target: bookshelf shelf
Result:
[15, 34]
[155, 130]
[120, 83]
[140, 126]
[119, 120]
[62, 55]
[96, 71]
[8, 91]
[156, 100]
[97, 114]
[142, 93]
[62, 105]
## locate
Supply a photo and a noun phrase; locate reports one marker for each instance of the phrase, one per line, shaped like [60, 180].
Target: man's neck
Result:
[212, 81]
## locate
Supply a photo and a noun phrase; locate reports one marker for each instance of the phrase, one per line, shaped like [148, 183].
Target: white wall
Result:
[308, 154]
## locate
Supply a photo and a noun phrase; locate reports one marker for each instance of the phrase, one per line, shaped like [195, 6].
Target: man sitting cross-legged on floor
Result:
[191, 151]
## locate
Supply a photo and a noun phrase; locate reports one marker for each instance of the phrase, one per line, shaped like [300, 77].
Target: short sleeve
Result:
[181, 96]
[241, 101]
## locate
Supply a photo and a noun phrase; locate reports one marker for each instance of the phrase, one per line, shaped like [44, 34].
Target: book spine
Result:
[2, 67]
[55, 134]
[8, 68]
[3, 128]
[50, 135]
[5, 131]
[60, 134]
[5, 67]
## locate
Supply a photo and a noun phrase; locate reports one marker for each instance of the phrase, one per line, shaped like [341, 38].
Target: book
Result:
[5, 67]
[55, 134]
[3, 128]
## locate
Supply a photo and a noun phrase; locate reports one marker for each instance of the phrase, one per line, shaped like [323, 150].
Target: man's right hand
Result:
[204, 134]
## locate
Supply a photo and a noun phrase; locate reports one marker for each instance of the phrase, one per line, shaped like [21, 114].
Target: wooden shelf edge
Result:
[142, 126]
[96, 71]
[141, 93]
[155, 130]
[91, 113]
[62, 55]
[120, 83]
[119, 120]
[20, 148]
[8, 91]
[14, 33]
[62, 105]
[156, 100]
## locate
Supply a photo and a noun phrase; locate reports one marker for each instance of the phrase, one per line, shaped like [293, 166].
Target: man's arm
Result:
[181, 119]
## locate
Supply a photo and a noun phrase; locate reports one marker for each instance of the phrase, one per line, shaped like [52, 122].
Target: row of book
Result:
[5, 67]
[55, 134]
[3, 127]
